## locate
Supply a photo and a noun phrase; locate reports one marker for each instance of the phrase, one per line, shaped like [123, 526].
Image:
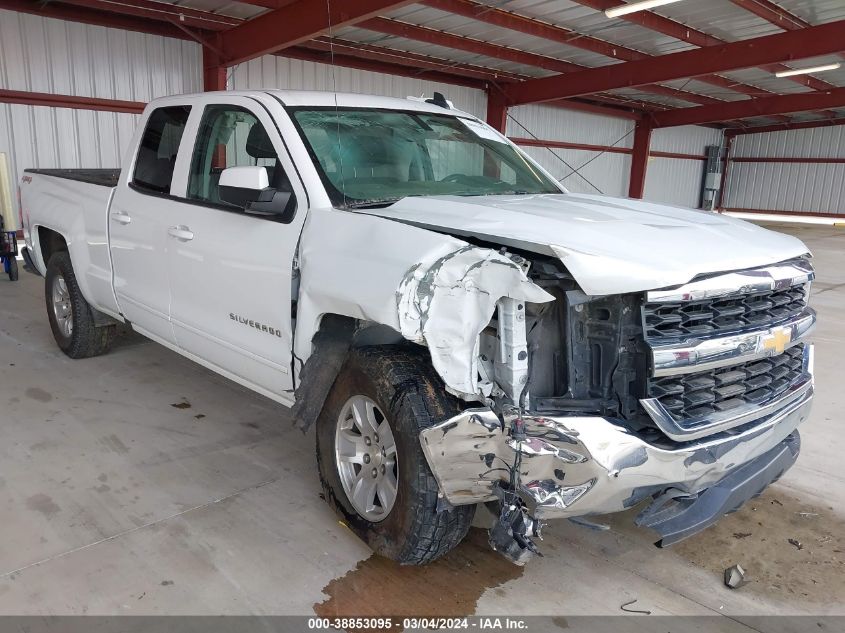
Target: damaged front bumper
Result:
[582, 465]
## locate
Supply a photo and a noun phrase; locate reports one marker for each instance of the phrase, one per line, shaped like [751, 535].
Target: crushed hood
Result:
[609, 245]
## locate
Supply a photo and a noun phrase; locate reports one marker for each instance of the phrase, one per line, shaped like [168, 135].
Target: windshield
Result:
[372, 157]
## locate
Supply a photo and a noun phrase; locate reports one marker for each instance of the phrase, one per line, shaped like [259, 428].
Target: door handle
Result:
[121, 217]
[181, 233]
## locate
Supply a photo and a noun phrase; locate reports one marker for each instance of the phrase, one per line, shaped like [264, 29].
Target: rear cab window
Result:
[158, 149]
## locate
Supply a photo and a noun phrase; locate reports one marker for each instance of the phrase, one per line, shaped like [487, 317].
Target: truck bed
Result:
[102, 177]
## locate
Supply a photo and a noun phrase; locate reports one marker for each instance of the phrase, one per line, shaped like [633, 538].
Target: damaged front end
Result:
[690, 396]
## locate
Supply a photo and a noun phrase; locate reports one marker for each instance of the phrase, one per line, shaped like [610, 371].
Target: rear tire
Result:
[71, 316]
[409, 397]
[13, 269]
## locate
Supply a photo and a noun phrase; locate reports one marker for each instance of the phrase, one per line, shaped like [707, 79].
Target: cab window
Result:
[230, 136]
[159, 146]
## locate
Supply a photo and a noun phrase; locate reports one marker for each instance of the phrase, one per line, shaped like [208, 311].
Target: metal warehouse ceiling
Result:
[502, 45]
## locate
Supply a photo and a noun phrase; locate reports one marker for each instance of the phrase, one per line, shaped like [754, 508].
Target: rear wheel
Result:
[71, 316]
[371, 464]
[13, 269]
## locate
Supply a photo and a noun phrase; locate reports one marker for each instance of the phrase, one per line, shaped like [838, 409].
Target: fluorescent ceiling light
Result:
[625, 9]
[804, 71]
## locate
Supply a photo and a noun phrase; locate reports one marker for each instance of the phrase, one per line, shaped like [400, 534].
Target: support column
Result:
[213, 70]
[639, 159]
[497, 110]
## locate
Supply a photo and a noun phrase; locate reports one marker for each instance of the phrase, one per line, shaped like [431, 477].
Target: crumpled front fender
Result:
[434, 289]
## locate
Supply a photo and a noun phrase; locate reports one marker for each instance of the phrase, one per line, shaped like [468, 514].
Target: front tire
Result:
[13, 269]
[71, 316]
[372, 467]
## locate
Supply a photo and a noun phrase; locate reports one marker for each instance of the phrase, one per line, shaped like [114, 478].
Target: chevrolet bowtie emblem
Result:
[777, 340]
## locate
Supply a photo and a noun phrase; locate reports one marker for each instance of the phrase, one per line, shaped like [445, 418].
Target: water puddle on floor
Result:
[790, 550]
[449, 587]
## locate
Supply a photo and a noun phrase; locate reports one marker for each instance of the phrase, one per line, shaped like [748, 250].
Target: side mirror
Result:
[249, 188]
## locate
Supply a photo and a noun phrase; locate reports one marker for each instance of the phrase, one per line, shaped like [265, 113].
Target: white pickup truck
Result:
[459, 328]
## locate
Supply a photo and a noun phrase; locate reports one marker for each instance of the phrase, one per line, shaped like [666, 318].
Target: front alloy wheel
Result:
[365, 454]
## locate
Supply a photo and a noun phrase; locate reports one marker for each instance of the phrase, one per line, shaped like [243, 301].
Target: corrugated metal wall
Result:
[673, 180]
[668, 180]
[272, 71]
[794, 187]
[581, 171]
[54, 56]
[46, 55]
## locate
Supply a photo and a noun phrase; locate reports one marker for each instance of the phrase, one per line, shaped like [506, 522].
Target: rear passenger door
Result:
[231, 273]
[139, 216]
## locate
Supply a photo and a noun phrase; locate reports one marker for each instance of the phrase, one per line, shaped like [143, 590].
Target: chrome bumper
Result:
[574, 466]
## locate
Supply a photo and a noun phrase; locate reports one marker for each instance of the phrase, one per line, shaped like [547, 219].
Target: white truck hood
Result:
[609, 245]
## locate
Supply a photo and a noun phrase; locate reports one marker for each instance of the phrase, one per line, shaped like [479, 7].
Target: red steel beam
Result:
[23, 97]
[655, 22]
[767, 106]
[497, 111]
[534, 142]
[421, 62]
[605, 105]
[213, 70]
[395, 62]
[296, 23]
[677, 155]
[268, 4]
[772, 13]
[611, 149]
[789, 159]
[359, 63]
[798, 125]
[787, 21]
[814, 41]
[561, 35]
[161, 11]
[95, 17]
[611, 108]
[470, 45]
[530, 26]
[639, 160]
[478, 47]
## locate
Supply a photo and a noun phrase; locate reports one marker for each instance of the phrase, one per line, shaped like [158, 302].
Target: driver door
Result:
[232, 272]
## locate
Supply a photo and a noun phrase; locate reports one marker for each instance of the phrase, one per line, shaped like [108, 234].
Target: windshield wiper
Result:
[372, 204]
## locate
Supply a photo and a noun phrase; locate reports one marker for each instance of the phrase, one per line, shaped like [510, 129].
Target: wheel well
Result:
[50, 242]
[336, 335]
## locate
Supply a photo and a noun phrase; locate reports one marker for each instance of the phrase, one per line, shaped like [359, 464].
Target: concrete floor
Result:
[115, 501]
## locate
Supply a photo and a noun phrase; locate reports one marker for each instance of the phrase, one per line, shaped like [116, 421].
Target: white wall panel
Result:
[798, 187]
[292, 74]
[54, 56]
[586, 172]
[47, 55]
[794, 187]
[61, 137]
[669, 180]
[674, 181]
[678, 181]
[550, 123]
[686, 139]
[827, 142]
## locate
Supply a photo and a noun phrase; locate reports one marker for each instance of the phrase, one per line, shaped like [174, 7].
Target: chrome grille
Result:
[712, 317]
[704, 393]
